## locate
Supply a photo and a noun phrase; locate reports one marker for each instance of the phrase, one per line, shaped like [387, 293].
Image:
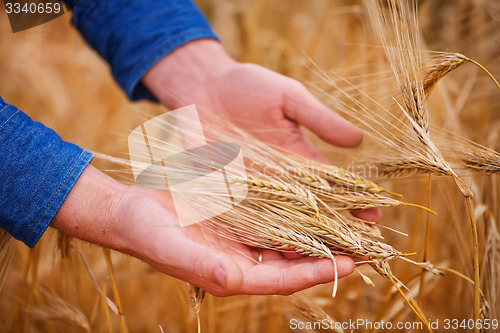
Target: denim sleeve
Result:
[133, 35]
[37, 171]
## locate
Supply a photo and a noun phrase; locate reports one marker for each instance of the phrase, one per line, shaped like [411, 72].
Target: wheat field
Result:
[335, 48]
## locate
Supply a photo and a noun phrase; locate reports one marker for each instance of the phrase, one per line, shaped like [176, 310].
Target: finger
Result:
[262, 254]
[302, 107]
[371, 215]
[201, 265]
[292, 255]
[285, 277]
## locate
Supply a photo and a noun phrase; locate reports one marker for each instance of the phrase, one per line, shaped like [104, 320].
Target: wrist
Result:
[188, 68]
[90, 212]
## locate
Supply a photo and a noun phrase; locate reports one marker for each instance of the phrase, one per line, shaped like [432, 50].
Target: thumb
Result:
[213, 266]
[302, 107]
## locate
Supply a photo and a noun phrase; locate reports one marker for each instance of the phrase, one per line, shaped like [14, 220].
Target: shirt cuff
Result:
[37, 171]
[133, 35]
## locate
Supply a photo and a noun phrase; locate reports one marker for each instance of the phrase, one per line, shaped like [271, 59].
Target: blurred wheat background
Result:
[52, 75]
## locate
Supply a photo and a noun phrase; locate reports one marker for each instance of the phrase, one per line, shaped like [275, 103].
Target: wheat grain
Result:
[484, 163]
[57, 309]
[197, 295]
[276, 190]
[408, 166]
[442, 66]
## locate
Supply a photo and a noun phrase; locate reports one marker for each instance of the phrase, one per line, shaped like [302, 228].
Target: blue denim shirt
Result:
[133, 35]
[37, 168]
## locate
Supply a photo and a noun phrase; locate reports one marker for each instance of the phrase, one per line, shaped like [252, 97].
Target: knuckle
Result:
[297, 85]
[198, 266]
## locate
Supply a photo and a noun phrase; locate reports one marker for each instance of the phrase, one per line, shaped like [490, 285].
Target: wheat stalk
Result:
[442, 66]
[408, 166]
[57, 309]
[484, 163]
[398, 31]
[276, 190]
[446, 63]
[197, 295]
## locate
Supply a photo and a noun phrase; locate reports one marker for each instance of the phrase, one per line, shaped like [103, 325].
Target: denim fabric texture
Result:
[133, 35]
[37, 168]
[37, 172]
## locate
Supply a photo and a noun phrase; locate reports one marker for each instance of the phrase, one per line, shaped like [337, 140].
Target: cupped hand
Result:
[270, 106]
[141, 222]
[218, 265]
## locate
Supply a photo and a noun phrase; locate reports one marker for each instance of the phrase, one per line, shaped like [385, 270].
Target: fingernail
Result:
[220, 276]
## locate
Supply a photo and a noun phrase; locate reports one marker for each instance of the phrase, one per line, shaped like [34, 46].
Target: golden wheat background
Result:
[51, 74]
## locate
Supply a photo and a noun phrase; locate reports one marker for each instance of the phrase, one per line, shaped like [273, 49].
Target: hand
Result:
[216, 264]
[140, 222]
[270, 106]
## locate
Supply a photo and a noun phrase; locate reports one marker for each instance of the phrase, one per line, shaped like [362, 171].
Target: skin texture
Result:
[140, 222]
